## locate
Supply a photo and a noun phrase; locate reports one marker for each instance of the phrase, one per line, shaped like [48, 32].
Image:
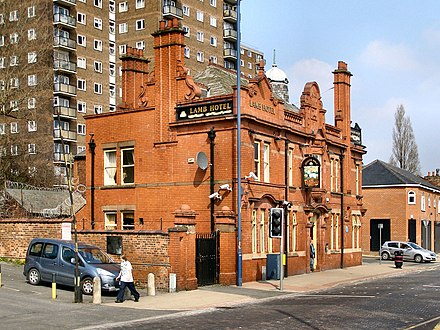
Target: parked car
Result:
[46, 256]
[411, 251]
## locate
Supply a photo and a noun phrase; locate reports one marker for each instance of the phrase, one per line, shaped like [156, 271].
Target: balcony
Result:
[230, 53]
[64, 42]
[65, 20]
[67, 135]
[67, 3]
[58, 157]
[64, 112]
[172, 11]
[232, 2]
[60, 88]
[230, 15]
[66, 66]
[230, 34]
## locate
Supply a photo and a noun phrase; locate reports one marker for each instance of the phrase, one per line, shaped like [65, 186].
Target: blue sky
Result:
[392, 48]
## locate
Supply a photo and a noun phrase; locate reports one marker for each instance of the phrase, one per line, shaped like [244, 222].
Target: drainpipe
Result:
[341, 157]
[286, 196]
[92, 146]
[211, 136]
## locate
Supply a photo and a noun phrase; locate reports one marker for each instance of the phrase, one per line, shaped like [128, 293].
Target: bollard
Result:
[1, 276]
[97, 290]
[172, 282]
[54, 286]
[151, 289]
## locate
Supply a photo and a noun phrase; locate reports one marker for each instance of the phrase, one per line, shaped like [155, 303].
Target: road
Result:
[405, 302]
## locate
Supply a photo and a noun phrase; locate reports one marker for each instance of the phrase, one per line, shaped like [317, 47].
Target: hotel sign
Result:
[204, 110]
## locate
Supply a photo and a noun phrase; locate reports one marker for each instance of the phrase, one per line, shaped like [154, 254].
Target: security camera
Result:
[225, 187]
[251, 175]
[215, 195]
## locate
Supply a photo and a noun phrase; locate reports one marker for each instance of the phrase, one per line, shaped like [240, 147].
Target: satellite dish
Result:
[202, 160]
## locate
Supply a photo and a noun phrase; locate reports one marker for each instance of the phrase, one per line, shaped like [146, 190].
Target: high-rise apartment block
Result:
[76, 46]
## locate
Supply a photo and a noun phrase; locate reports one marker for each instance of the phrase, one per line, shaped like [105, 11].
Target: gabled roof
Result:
[45, 202]
[380, 173]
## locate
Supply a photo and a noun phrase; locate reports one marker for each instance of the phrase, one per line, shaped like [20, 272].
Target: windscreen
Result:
[95, 256]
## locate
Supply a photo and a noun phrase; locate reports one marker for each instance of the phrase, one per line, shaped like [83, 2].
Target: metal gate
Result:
[207, 258]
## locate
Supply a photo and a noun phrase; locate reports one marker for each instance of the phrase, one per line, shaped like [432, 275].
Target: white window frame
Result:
[32, 80]
[140, 45]
[140, 24]
[81, 63]
[110, 220]
[13, 60]
[123, 28]
[200, 36]
[123, 7]
[2, 129]
[97, 45]
[81, 40]
[140, 4]
[187, 52]
[14, 127]
[13, 37]
[213, 41]
[254, 231]
[97, 88]
[97, 66]
[97, 3]
[122, 49]
[200, 57]
[32, 35]
[81, 129]
[81, 106]
[110, 167]
[13, 16]
[32, 103]
[213, 3]
[81, 84]
[97, 23]
[81, 18]
[411, 197]
[32, 126]
[423, 202]
[213, 21]
[97, 108]
[187, 31]
[186, 10]
[257, 159]
[199, 15]
[262, 226]
[127, 167]
[266, 162]
[124, 216]
[213, 59]
[290, 166]
[32, 148]
[32, 57]
[31, 12]
[14, 150]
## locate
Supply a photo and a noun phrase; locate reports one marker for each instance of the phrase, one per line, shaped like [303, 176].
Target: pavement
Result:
[226, 296]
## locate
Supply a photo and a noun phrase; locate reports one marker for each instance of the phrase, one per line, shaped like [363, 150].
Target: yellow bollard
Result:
[54, 287]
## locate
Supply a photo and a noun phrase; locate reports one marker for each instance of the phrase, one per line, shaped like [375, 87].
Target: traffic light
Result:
[276, 222]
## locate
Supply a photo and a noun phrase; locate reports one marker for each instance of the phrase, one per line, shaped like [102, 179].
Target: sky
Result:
[392, 48]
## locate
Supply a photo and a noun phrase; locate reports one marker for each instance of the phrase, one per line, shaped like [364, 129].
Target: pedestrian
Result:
[126, 279]
[312, 257]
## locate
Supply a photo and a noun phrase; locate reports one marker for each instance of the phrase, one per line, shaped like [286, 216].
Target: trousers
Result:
[130, 286]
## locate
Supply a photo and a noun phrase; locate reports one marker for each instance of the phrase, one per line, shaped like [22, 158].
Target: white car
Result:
[411, 251]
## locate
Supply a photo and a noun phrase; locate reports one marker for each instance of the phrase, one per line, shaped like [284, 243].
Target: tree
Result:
[26, 92]
[405, 153]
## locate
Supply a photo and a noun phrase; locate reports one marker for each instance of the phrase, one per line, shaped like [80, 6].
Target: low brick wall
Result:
[148, 251]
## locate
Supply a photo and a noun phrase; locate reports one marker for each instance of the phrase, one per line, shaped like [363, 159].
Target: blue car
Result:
[46, 257]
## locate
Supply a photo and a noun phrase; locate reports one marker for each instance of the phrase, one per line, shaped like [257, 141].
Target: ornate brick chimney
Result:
[342, 99]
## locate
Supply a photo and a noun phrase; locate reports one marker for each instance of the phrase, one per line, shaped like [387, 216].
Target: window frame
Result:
[127, 167]
[110, 179]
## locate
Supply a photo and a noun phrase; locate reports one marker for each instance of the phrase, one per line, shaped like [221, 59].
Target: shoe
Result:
[136, 299]
[118, 301]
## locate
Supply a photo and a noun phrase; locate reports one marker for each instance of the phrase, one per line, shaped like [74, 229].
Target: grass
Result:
[12, 261]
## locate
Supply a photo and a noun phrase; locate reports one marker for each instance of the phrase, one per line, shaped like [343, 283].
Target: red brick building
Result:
[166, 161]
[405, 205]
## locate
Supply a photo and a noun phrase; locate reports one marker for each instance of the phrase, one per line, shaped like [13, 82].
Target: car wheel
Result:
[418, 258]
[87, 286]
[34, 276]
[386, 256]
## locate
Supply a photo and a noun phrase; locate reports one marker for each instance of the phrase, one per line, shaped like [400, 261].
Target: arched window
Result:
[411, 197]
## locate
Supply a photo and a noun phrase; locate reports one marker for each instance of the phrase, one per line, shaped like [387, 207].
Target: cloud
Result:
[308, 70]
[432, 37]
[384, 55]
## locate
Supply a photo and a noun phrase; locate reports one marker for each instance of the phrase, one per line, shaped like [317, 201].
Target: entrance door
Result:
[207, 258]
[426, 234]
[375, 234]
[437, 237]
[412, 230]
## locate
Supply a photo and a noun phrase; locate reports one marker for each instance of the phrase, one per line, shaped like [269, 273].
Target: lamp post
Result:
[239, 252]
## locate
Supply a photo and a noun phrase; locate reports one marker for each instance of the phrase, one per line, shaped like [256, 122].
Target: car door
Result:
[49, 261]
[392, 247]
[408, 251]
[66, 271]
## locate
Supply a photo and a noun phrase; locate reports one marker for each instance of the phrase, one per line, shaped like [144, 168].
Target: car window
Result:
[392, 244]
[36, 249]
[50, 251]
[414, 246]
[404, 246]
[68, 254]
